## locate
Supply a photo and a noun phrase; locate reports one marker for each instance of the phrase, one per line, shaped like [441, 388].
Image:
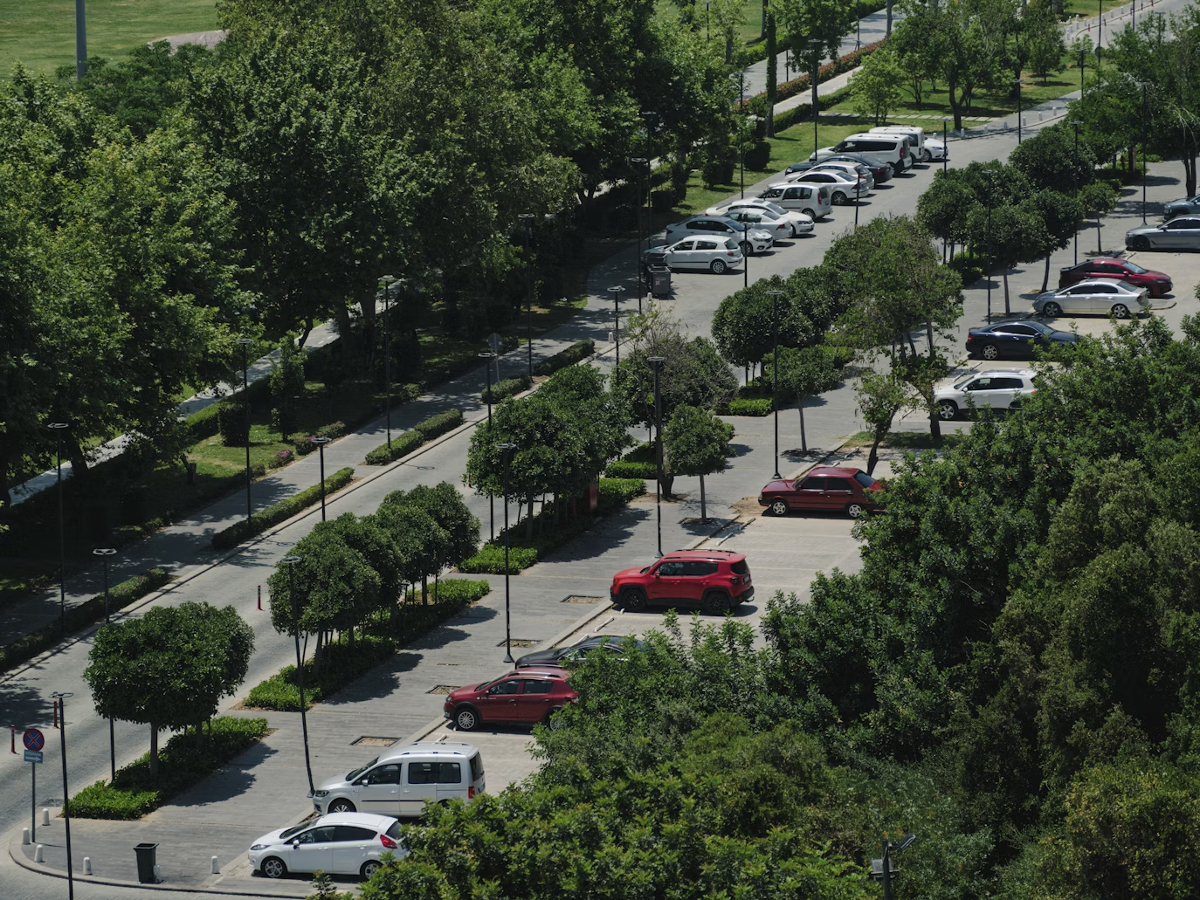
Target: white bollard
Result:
[39, 853]
[215, 870]
[87, 865]
[45, 816]
[25, 837]
[158, 873]
[610, 337]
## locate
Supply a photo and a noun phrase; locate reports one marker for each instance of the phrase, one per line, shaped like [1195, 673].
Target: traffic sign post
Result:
[34, 741]
[33, 756]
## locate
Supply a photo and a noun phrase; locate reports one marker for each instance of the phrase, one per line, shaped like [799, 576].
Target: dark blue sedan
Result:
[1010, 340]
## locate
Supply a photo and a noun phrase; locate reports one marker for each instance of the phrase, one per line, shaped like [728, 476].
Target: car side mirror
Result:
[295, 845]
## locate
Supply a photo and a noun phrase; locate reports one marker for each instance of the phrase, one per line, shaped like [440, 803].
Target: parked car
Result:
[935, 147]
[1021, 339]
[1100, 295]
[997, 388]
[881, 172]
[342, 844]
[889, 149]
[1157, 283]
[800, 223]
[716, 580]
[763, 220]
[1182, 233]
[810, 199]
[851, 169]
[523, 697]
[402, 781]
[715, 254]
[613, 645]
[915, 135]
[751, 240]
[824, 489]
[1184, 206]
[841, 186]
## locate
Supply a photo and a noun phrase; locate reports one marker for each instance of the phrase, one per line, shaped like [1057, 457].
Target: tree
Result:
[1098, 198]
[287, 383]
[1010, 234]
[1048, 159]
[1042, 38]
[422, 543]
[875, 87]
[802, 374]
[444, 504]
[879, 397]
[696, 443]
[1060, 215]
[169, 668]
[827, 21]
[944, 206]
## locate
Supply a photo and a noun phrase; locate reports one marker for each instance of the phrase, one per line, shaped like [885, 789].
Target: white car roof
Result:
[453, 750]
[367, 820]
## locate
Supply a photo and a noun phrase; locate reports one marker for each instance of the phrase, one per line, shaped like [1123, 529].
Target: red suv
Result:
[526, 696]
[1157, 283]
[717, 580]
[828, 488]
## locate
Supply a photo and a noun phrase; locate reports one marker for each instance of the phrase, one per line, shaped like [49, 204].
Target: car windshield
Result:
[730, 244]
[1135, 268]
[1044, 329]
[295, 829]
[864, 479]
[393, 831]
[352, 775]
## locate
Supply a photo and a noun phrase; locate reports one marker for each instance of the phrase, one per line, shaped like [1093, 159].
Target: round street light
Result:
[290, 562]
[657, 363]
[487, 356]
[506, 448]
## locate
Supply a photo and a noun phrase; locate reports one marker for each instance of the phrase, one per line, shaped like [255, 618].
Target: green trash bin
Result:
[145, 861]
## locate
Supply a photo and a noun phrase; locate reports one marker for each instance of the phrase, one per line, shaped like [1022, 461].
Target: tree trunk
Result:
[153, 750]
[1099, 248]
[955, 101]
[1046, 275]
[935, 424]
[703, 505]
[436, 584]
[424, 590]
[873, 456]
[318, 655]
[803, 439]
[888, 32]
[1007, 309]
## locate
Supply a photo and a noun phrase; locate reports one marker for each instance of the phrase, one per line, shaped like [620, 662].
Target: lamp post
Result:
[1082, 60]
[506, 449]
[58, 428]
[246, 342]
[616, 292]
[388, 281]
[1075, 123]
[707, 14]
[61, 697]
[527, 218]
[639, 161]
[945, 146]
[487, 356]
[290, 562]
[1144, 112]
[80, 39]
[656, 362]
[105, 554]
[1017, 84]
[988, 272]
[775, 295]
[321, 442]
[815, 47]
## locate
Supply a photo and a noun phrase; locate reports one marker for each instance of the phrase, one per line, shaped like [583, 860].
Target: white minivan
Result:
[815, 201]
[402, 782]
[915, 135]
[881, 149]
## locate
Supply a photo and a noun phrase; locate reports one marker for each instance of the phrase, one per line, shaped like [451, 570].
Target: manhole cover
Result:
[369, 741]
[576, 598]
[519, 642]
[442, 689]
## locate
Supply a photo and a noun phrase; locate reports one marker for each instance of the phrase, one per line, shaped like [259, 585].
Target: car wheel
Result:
[1052, 310]
[1140, 243]
[839, 199]
[273, 867]
[1120, 310]
[466, 718]
[926, 156]
[716, 603]
[990, 351]
[779, 508]
[855, 510]
[551, 721]
[369, 868]
[633, 599]
[948, 410]
[810, 213]
[747, 248]
[341, 806]
[718, 267]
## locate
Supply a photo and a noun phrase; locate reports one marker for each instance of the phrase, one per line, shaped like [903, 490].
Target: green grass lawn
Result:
[40, 34]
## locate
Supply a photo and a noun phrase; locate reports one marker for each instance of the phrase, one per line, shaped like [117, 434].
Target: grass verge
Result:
[906, 440]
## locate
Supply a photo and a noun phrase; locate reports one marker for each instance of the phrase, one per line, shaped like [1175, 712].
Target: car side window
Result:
[421, 773]
[352, 833]
[670, 569]
[699, 569]
[512, 686]
[980, 384]
[838, 484]
[317, 835]
[537, 686]
[1006, 384]
[686, 245]
[1021, 330]
[384, 775]
[449, 773]
[706, 245]
[813, 483]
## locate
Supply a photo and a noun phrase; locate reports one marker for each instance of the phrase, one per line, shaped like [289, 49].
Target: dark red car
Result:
[1157, 283]
[526, 696]
[824, 489]
[716, 580]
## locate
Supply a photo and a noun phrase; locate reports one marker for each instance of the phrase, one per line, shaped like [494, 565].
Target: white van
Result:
[881, 149]
[916, 138]
[403, 781]
[815, 201]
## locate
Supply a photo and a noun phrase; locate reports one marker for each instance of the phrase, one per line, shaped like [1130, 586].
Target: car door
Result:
[1018, 340]
[706, 251]
[798, 196]
[535, 699]
[450, 784]
[380, 792]
[839, 493]
[810, 493]
[419, 788]
[351, 844]
[1105, 295]
[695, 578]
[665, 585]
[1004, 391]
[682, 255]
[981, 392]
[1181, 234]
[499, 702]
[311, 850]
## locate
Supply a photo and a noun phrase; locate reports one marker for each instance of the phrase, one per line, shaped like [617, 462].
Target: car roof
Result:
[543, 671]
[426, 748]
[704, 554]
[1107, 282]
[841, 471]
[1028, 373]
[370, 820]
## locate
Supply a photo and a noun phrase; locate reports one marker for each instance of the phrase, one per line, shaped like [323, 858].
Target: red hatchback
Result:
[825, 488]
[1157, 283]
[525, 696]
[717, 580]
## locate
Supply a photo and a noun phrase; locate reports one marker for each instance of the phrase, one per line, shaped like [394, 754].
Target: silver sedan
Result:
[1100, 295]
[1182, 233]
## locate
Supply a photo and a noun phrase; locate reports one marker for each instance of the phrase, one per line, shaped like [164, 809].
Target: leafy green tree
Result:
[598, 414]
[803, 373]
[1098, 198]
[1042, 38]
[943, 207]
[287, 383]
[446, 507]
[875, 87]
[826, 21]
[169, 668]
[1060, 215]
[1049, 160]
[879, 397]
[696, 443]
[1010, 234]
[421, 543]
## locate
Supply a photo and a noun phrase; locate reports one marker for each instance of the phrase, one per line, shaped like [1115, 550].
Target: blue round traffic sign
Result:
[33, 739]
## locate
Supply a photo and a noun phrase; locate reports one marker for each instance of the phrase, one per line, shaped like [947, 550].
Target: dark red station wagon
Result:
[1156, 283]
[825, 488]
[525, 696]
[716, 580]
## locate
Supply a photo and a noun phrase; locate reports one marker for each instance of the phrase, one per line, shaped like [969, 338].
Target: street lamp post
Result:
[1144, 111]
[616, 292]
[61, 697]
[105, 554]
[775, 295]
[1017, 84]
[707, 14]
[1082, 60]
[527, 218]
[321, 442]
[246, 342]
[58, 428]
[1075, 123]
[639, 161]
[388, 281]
[290, 562]
[656, 362]
[945, 146]
[487, 356]
[815, 47]
[506, 449]
[988, 272]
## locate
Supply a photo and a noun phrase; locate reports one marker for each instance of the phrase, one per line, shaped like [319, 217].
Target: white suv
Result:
[997, 388]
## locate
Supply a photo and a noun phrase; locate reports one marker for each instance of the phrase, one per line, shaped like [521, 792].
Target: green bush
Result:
[86, 613]
[573, 354]
[203, 423]
[439, 424]
[279, 512]
[402, 445]
[452, 590]
[505, 388]
[187, 758]
[626, 469]
[490, 560]
[760, 407]
[618, 492]
[231, 421]
[342, 662]
[758, 156]
[332, 431]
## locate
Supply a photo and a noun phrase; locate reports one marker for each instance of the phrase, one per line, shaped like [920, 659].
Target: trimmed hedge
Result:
[86, 613]
[618, 492]
[573, 354]
[760, 407]
[626, 469]
[187, 758]
[505, 388]
[435, 426]
[803, 82]
[790, 117]
[490, 560]
[410, 440]
[278, 512]
[452, 590]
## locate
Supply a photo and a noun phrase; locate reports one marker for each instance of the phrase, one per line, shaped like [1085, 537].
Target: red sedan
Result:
[825, 488]
[1157, 283]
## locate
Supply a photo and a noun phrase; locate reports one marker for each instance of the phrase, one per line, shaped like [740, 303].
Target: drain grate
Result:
[576, 598]
[442, 688]
[519, 642]
[371, 741]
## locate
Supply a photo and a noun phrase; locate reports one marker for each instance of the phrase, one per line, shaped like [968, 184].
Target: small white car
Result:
[340, 844]
[1105, 296]
[841, 186]
[849, 170]
[997, 388]
[751, 240]
[762, 220]
[799, 222]
[935, 148]
[716, 254]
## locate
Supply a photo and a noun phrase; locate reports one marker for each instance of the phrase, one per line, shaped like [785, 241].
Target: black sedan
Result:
[1184, 206]
[881, 173]
[580, 650]
[1019, 339]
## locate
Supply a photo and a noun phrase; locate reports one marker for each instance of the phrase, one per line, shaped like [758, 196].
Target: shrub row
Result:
[278, 512]
[803, 82]
[573, 354]
[452, 590]
[490, 559]
[505, 388]
[790, 117]
[414, 438]
[304, 443]
[755, 407]
[86, 613]
[626, 469]
[759, 50]
[185, 760]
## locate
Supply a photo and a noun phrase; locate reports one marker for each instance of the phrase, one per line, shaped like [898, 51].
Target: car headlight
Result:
[320, 794]
[260, 847]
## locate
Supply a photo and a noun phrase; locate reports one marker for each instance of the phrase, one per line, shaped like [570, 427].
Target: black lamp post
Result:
[388, 281]
[105, 554]
[58, 428]
[639, 161]
[1017, 84]
[775, 295]
[815, 47]
[1082, 60]
[527, 218]
[616, 292]
[882, 869]
[487, 356]
[1075, 123]
[506, 449]
[61, 697]
[657, 362]
[290, 562]
[1144, 112]
[321, 442]
[988, 273]
[246, 342]
[707, 13]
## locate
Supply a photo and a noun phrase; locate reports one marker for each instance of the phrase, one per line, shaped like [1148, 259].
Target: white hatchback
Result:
[997, 388]
[798, 221]
[340, 844]
[842, 187]
[715, 254]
